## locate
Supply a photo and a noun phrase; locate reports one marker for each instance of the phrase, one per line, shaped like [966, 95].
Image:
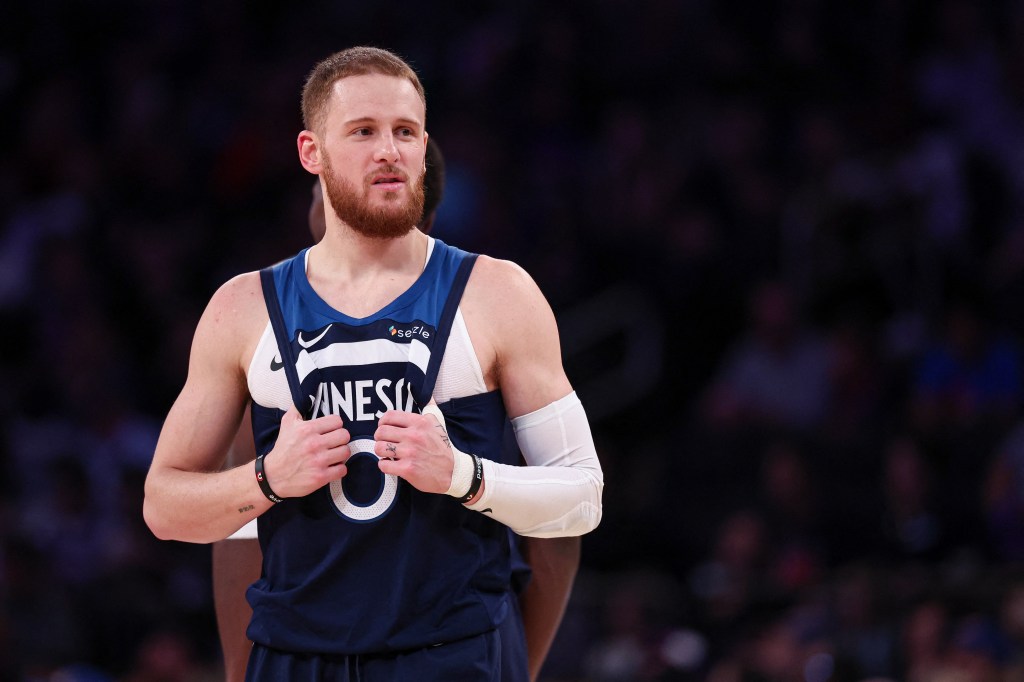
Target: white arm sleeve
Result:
[558, 493]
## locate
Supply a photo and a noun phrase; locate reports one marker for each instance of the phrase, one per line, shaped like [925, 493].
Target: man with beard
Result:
[381, 365]
[541, 595]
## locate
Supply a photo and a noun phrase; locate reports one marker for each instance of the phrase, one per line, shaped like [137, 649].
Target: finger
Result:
[393, 434]
[391, 466]
[338, 455]
[398, 418]
[291, 415]
[337, 471]
[330, 422]
[333, 439]
[385, 449]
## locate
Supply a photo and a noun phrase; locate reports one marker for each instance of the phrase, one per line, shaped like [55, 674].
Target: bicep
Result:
[243, 447]
[204, 419]
[522, 330]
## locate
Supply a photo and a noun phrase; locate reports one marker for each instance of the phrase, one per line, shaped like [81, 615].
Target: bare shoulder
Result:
[514, 330]
[238, 303]
[205, 415]
[233, 320]
[504, 290]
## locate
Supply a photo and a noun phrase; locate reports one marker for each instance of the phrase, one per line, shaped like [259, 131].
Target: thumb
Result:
[291, 415]
[434, 411]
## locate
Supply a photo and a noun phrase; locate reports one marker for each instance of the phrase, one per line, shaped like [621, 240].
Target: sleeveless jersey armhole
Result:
[460, 374]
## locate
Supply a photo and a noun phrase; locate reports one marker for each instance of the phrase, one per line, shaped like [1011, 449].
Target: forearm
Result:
[541, 502]
[201, 507]
[188, 497]
[559, 492]
[553, 563]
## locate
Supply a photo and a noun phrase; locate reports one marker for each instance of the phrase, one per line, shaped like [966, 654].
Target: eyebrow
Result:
[369, 119]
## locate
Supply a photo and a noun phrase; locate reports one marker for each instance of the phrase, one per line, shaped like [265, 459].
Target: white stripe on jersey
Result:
[363, 353]
[460, 373]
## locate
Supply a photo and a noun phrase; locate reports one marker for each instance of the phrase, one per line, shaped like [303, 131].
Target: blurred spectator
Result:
[978, 649]
[641, 610]
[168, 657]
[1004, 497]
[863, 632]
[911, 522]
[961, 82]
[970, 374]
[924, 642]
[794, 518]
[858, 382]
[732, 577]
[1011, 619]
[776, 376]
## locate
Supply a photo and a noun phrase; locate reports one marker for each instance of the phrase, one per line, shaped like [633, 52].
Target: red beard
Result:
[390, 221]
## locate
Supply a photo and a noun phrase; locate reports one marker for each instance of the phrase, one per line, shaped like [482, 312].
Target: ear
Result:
[309, 151]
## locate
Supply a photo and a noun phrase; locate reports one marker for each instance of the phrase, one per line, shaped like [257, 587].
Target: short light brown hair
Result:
[355, 61]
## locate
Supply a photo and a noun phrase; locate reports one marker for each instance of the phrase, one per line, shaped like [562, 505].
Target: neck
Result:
[346, 254]
[358, 275]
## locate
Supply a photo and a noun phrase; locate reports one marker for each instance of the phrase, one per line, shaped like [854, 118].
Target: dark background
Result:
[783, 240]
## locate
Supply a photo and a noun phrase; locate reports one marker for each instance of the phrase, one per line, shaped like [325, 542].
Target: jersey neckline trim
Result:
[403, 300]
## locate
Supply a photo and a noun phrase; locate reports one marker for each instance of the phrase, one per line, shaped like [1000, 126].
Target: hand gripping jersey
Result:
[370, 564]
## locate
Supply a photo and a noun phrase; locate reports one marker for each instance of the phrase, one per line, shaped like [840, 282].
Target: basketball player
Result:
[383, 504]
[236, 561]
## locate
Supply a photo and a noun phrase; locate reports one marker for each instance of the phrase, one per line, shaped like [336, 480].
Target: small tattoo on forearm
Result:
[249, 507]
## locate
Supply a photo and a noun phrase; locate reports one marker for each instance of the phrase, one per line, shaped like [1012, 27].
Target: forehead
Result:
[375, 96]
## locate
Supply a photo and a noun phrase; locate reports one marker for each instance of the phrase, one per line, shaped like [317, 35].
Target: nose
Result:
[387, 150]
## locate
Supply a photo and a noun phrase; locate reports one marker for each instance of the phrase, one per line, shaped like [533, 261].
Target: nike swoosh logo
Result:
[307, 344]
[275, 365]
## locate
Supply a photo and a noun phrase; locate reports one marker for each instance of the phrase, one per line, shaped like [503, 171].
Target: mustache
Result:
[387, 170]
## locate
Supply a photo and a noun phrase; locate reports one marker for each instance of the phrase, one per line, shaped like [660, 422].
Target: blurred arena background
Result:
[784, 240]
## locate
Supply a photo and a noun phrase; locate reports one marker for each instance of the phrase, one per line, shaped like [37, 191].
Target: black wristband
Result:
[478, 479]
[261, 478]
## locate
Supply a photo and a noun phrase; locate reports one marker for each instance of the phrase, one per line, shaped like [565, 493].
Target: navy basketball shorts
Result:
[474, 659]
[514, 667]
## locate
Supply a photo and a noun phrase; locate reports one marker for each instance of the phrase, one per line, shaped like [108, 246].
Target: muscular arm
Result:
[513, 331]
[187, 496]
[559, 492]
[236, 565]
[554, 562]
[528, 368]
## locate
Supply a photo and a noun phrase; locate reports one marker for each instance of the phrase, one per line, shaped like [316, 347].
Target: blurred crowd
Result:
[784, 241]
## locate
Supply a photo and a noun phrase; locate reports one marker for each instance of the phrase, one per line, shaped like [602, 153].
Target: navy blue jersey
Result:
[370, 564]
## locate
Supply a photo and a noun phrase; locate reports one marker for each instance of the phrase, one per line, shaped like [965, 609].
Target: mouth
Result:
[388, 182]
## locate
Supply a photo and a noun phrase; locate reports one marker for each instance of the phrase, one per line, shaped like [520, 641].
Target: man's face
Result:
[372, 154]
